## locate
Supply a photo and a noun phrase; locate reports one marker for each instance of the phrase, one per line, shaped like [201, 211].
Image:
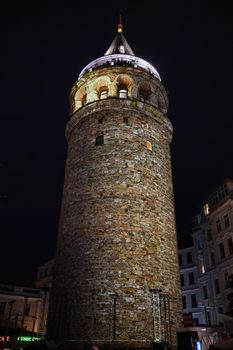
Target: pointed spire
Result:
[120, 27]
[119, 44]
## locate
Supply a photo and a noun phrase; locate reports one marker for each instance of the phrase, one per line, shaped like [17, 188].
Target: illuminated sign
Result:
[28, 338]
[198, 345]
[5, 338]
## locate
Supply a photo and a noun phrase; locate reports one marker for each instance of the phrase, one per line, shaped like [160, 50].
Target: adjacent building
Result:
[213, 244]
[189, 277]
[20, 309]
[206, 263]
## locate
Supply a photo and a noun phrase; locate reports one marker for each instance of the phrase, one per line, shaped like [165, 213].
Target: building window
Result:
[216, 284]
[149, 145]
[226, 220]
[84, 100]
[222, 251]
[100, 120]
[99, 140]
[199, 244]
[193, 300]
[230, 245]
[209, 235]
[220, 310]
[218, 225]
[205, 293]
[126, 120]
[206, 209]
[212, 258]
[191, 278]
[189, 258]
[184, 301]
[2, 307]
[180, 260]
[208, 318]
[27, 310]
[123, 93]
[227, 280]
[182, 280]
[103, 94]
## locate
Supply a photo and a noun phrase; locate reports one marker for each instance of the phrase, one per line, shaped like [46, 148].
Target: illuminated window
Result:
[84, 100]
[123, 93]
[230, 245]
[222, 250]
[226, 220]
[202, 266]
[149, 145]
[121, 48]
[206, 209]
[103, 94]
[99, 140]
[144, 90]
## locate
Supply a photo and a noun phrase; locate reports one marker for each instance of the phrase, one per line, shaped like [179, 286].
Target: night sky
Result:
[44, 46]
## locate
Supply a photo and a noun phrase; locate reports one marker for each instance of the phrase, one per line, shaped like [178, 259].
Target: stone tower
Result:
[116, 277]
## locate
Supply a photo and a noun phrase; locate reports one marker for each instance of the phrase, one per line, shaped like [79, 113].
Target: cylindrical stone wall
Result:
[116, 275]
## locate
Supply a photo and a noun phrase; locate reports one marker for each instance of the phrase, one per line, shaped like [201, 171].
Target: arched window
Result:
[103, 94]
[84, 99]
[123, 92]
[124, 84]
[144, 91]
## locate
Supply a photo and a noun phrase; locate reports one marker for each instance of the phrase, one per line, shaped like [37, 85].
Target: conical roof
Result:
[120, 52]
[119, 46]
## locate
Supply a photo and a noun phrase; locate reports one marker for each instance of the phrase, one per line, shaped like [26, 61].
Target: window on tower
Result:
[144, 91]
[123, 93]
[84, 99]
[103, 94]
[99, 140]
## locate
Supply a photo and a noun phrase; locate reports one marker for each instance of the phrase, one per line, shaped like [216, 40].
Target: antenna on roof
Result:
[120, 28]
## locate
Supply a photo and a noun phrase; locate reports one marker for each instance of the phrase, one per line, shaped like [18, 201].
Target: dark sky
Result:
[44, 46]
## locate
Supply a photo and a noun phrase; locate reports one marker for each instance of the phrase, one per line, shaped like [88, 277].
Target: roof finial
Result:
[120, 28]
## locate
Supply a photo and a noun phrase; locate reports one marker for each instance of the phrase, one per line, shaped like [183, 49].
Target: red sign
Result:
[188, 319]
[4, 338]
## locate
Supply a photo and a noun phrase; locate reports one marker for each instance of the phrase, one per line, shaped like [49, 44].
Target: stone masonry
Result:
[116, 277]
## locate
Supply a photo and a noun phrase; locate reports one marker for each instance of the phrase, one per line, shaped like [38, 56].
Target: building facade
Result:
[116, 274]
[20, 309]
[213, 242]
[191, 294]
[44, 283]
